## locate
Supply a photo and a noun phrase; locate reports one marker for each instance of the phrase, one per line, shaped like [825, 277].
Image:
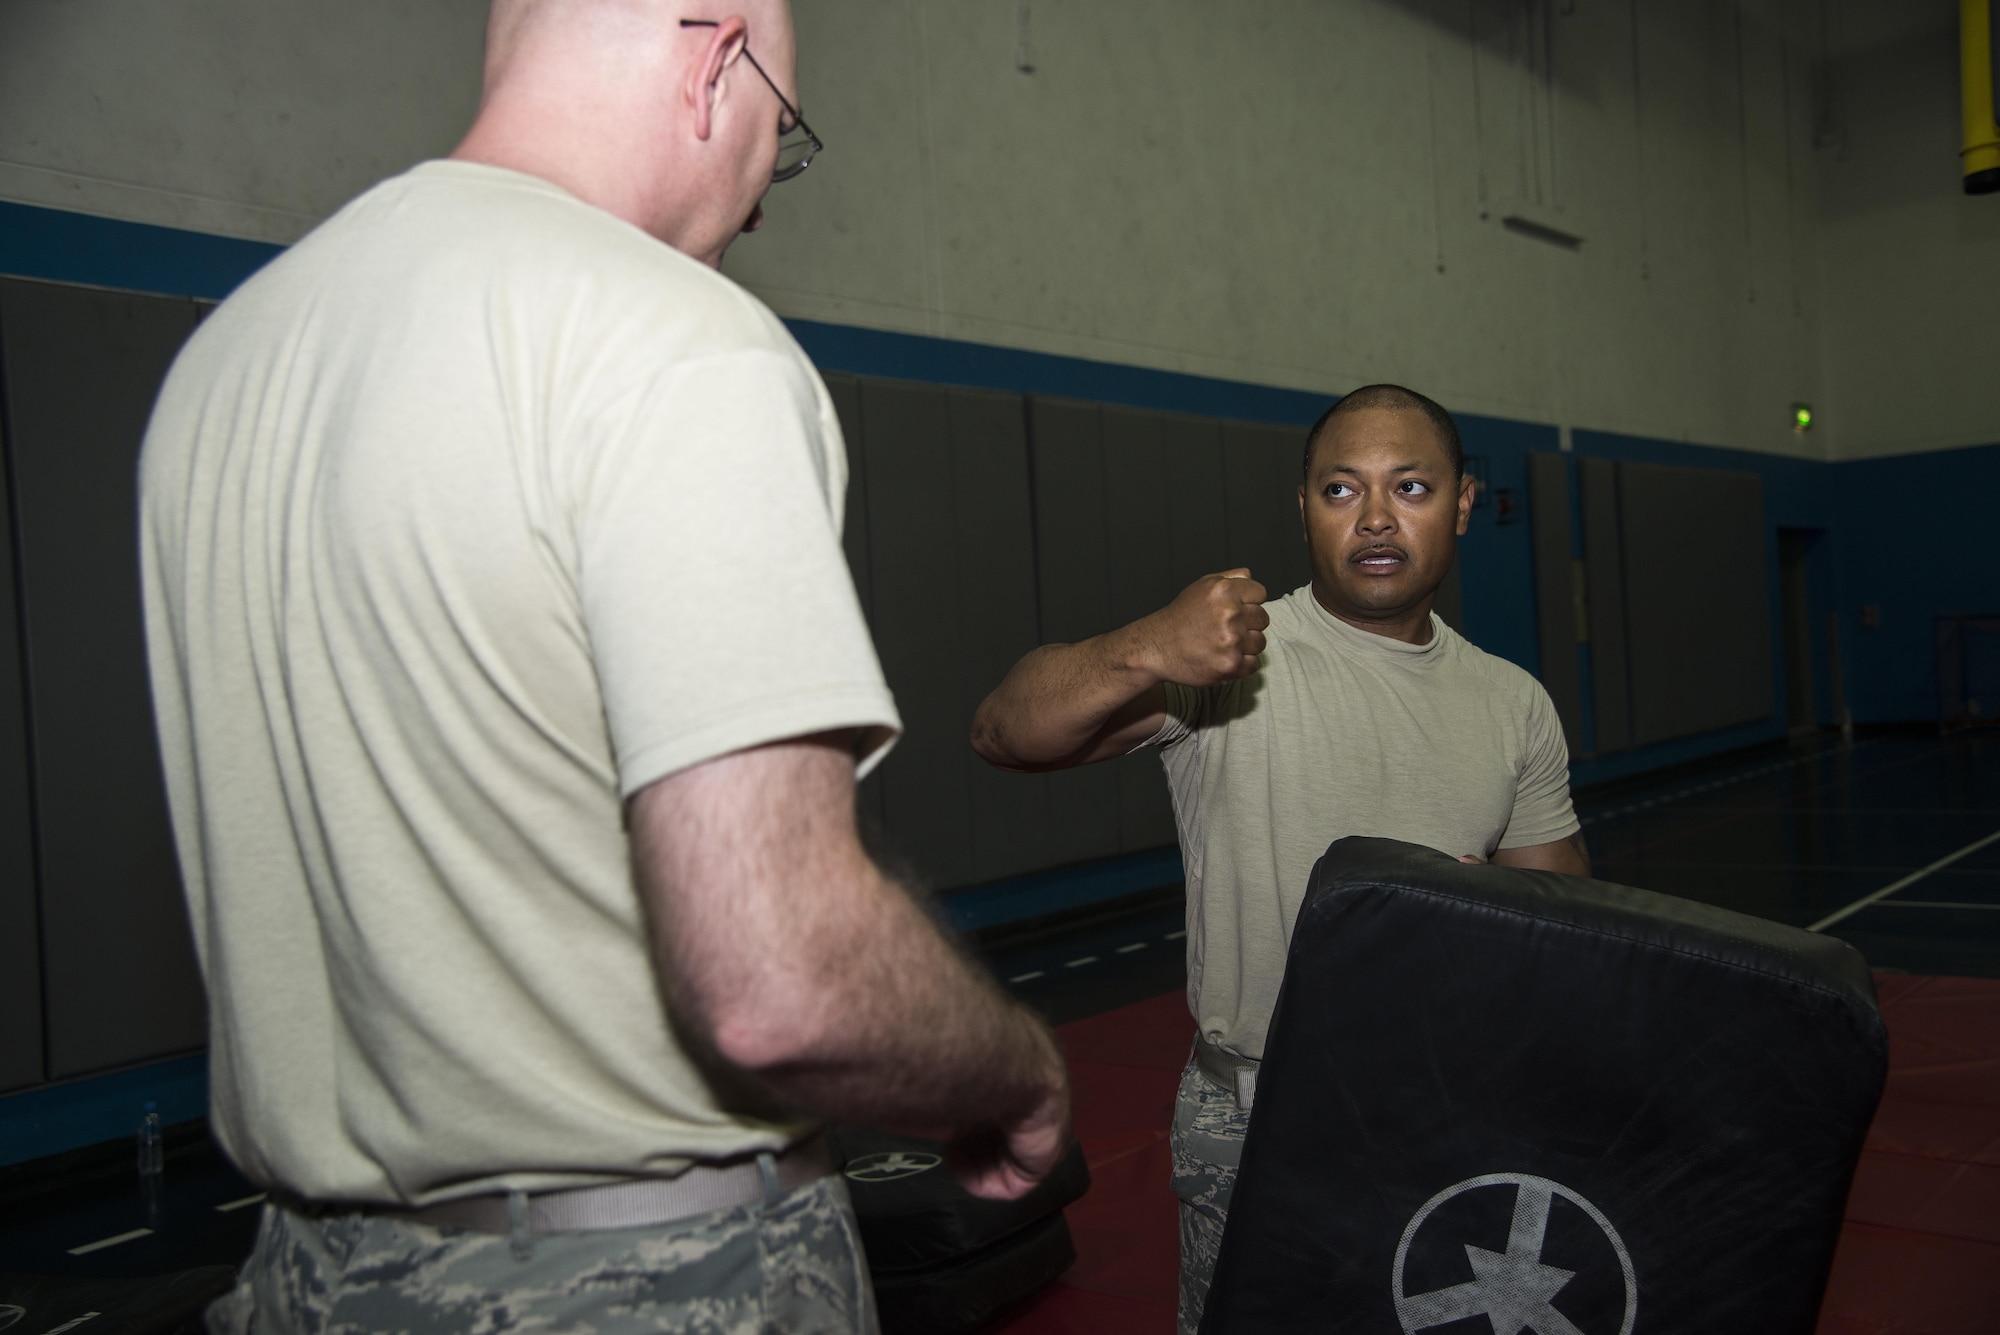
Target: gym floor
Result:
[1891, 842]
[1804, 832]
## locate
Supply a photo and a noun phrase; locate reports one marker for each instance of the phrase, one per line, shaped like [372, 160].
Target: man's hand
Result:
[1075, 704]
[1212, 632]
[1004, 1163]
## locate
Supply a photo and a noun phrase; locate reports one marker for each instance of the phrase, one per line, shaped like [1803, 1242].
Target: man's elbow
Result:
[765, 1036]
[989, 742]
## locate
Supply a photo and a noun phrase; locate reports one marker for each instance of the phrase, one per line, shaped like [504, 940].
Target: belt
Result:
[1236, 1074]
[637, 1203]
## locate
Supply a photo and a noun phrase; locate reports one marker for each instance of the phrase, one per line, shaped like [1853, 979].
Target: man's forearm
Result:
[784, 946]
[905, 1033]
[1059, 698]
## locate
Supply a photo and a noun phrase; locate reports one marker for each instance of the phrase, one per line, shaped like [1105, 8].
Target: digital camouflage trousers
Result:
[792, 1266]
[1207, 1146]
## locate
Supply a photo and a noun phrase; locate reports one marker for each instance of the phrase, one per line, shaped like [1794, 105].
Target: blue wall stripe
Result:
[978, 365]
[1040, 894]
[56, 1118]
[77, 248]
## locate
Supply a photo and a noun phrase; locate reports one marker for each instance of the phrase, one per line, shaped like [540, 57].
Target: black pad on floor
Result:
[150, 1305]
[944, 1260]
[968, 1293]
[1495, 1098]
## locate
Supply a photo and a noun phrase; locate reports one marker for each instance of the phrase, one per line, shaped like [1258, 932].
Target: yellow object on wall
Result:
[1981, 152]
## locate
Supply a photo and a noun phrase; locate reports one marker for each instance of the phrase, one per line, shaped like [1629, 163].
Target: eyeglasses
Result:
[797, 144]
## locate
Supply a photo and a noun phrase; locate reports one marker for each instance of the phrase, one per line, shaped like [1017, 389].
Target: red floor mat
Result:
[1921, 1251]
[1920, 1254]
[1124, 1066]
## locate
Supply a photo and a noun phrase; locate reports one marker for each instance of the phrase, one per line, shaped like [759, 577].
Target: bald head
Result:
[1397, 399]
[612, 30]
[621, 103]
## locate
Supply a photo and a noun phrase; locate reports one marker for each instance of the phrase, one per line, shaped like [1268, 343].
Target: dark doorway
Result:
[1795, 547]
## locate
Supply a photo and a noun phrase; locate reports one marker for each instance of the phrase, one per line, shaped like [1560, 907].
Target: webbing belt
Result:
[632, 1204]
[1236, 1074]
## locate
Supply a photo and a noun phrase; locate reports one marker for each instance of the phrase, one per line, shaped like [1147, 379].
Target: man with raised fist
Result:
[1343, 708]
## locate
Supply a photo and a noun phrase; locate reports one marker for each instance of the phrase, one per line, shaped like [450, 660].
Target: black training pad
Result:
[914, 1214]
[968, 1293]
[1701, 1079]
[151, 1305]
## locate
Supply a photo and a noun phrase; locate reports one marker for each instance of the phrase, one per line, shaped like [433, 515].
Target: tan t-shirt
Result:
[1341, 732]
[469, 516]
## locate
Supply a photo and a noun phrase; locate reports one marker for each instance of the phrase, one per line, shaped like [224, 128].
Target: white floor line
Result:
[102, 1243]
[1890, 889]
[1934, 904]
[1027, 977]
[1136, 945]
[1174, 936]
[240, 1202]
[1077, 964]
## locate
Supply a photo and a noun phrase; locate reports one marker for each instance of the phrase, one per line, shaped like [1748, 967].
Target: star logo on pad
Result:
[1514, 1290]
[889, 1166]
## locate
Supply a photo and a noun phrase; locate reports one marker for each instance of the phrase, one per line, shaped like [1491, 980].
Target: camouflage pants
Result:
[792, 1266]
[1207, 1145]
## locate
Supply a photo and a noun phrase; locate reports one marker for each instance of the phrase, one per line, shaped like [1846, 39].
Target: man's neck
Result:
[603, 163]
[1410, 625]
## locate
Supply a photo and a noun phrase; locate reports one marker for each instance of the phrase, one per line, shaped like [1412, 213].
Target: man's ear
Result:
[1468, 489]
[703, 87]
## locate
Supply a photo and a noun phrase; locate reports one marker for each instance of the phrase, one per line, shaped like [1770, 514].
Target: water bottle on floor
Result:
[152, 1156]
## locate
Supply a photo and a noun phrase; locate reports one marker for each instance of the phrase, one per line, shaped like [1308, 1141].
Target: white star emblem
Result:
[890, 1165]
[1513, 1289]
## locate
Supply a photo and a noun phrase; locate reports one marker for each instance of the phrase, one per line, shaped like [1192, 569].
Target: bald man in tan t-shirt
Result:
[1346, 707]
[512, 691]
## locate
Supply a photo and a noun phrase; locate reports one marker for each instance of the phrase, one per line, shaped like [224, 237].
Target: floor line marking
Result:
[1723, 781]
[1731, 815]
[1027, 977]
[1890, 889]
[1934, 904]
[1136, 945]
[102, 1243]
[1174, 936]
[240, 1202]
[1077, 964]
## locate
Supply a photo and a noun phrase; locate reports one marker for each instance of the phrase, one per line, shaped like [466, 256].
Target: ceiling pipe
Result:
[1981, 153]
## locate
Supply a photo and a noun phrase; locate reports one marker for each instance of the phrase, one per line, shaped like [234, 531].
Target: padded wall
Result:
[1075, 600]
[1604, 576]
[20, 931]
[1105, 558]
[950, 571]
[846, 394]
[1555, 591]
[1697, 599]
[1261, 467]
[81, 370]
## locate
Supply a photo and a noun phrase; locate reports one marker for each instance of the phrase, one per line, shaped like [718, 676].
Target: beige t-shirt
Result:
[469, 516]
[1341, 732]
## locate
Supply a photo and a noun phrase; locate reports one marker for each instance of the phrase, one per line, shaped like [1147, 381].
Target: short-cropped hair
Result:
[1396, 397]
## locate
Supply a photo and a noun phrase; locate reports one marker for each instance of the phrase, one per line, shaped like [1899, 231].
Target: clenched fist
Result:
[1211, 633]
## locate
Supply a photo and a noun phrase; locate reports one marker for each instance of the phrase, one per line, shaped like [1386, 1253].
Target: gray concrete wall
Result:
[1311, 194]
[1307, 193]
[250, 118]
[1910, 263]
